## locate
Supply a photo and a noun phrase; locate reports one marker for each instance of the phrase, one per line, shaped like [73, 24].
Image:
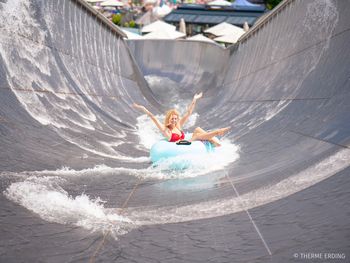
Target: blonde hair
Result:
[168, 115]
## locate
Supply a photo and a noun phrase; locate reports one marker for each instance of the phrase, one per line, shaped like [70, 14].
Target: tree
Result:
[270, 4]
[116, 19]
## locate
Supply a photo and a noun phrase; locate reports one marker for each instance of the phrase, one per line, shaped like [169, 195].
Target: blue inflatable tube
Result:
[178, 155]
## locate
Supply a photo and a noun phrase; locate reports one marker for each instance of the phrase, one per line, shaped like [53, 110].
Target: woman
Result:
[172, 127]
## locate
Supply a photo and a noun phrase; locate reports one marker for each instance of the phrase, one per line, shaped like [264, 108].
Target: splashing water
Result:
[45, 197]
[198, 165]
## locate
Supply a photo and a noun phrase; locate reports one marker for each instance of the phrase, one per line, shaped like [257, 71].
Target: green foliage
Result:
[270, 4]
[132, 24]
[116, 19]
[126, 24]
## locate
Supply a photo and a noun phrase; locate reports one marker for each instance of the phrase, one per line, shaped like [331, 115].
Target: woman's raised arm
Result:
[190, 108]
[161, 127]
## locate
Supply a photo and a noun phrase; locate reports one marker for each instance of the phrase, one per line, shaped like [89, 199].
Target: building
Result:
[199, 17]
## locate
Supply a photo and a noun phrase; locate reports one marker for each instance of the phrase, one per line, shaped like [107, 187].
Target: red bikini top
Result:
[175, 137]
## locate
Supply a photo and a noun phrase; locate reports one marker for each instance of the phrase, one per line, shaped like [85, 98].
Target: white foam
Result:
[45, 197]
[98, 170]
[286, 187]
[206, 163]
[147, 131]
[200, 165]
[224, 155]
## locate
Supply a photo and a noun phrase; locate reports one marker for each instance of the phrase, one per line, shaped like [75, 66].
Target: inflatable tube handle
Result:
[183, 142]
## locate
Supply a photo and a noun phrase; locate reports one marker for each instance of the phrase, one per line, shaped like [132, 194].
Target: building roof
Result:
[246, 5]
[230, 39]
[200, 37]
[220, 3]
[164, 34]
[203, 14]
[224, 28]
[130, 34]
[112, 3]
[158, 26]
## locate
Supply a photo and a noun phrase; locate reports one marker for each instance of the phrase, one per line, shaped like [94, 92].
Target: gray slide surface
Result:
[76, 181]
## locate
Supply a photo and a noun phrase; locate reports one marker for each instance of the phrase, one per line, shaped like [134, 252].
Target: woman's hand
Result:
[198, 96]
[153, 118]
[140, 107]
[190, 108]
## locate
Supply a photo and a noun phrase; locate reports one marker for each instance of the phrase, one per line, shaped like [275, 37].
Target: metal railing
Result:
[264, 20]
[101, 17]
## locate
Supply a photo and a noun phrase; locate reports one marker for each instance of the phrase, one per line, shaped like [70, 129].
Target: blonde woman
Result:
[173, 123]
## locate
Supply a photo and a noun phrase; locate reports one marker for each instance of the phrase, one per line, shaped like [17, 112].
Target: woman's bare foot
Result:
[222, 131]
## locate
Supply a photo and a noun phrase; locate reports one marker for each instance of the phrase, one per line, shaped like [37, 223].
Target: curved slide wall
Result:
[66, 80]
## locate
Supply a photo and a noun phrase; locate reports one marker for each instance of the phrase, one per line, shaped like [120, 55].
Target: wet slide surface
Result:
[77, 184]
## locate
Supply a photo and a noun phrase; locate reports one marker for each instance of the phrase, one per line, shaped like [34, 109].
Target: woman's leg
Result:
[199, 131]
[201, 135]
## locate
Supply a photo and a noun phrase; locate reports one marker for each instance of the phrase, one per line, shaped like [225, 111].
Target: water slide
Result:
[77, 184]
